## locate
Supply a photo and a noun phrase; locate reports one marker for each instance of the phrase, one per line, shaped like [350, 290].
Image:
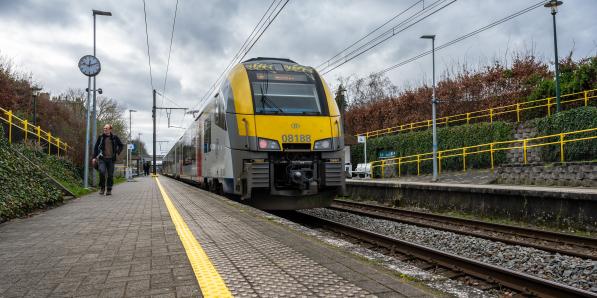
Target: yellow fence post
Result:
[524, 151]
[38, 135]
[439, 162]
[586, 98]
[517, 112]
[25, 123]
[428, 123]
[399, 159]
[491, 154]
[58, 148]
[468, 118]
[411, 126]
[9, 115]
[561, 147]
[490, 115]
[464, 159]
[49, 142]
[548, 106]
[418, 164]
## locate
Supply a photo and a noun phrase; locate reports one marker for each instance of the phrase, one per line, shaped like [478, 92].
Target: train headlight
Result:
[267, 144]
[323, 144]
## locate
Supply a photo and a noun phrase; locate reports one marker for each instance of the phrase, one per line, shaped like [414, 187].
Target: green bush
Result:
[566, 121]
[23, 188]
[418, 142]
[59, 168]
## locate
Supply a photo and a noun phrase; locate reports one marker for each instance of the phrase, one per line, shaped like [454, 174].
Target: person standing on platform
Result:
[106, 148]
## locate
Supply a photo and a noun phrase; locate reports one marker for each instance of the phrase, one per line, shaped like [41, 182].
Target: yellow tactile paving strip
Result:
[210, 281]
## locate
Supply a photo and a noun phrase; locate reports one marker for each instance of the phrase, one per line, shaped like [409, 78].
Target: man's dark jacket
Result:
[116, 146]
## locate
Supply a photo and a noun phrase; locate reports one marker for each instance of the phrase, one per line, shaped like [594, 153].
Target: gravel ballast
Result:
[573, 271]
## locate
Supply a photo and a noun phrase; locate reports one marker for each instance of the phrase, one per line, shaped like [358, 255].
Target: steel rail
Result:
[522, 282]
[439, 222]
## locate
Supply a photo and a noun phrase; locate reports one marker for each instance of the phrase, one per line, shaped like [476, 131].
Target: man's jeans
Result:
[106, 169]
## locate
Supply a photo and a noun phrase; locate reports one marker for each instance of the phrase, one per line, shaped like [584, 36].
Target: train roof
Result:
[270, 60]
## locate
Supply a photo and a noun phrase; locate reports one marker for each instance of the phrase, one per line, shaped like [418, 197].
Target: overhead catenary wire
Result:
[412, 20]
[249, 43]
[463, 37]
[369, 34]
[168, 61]
[147, 41]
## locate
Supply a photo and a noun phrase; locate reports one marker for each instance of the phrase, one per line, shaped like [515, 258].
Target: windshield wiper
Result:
[265, 99]
[311, 113]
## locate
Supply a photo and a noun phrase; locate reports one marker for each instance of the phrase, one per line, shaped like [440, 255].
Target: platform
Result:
[568, 207]
[174, 240]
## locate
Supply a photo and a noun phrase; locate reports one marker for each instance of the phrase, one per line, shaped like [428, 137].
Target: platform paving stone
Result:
[257, 257]
[97, 246]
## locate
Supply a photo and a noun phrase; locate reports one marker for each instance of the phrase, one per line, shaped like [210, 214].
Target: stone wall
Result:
[524, 130]
[558, 174]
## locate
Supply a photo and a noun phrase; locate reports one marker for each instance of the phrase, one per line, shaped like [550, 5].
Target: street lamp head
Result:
[35, 90]
[553, 4]
[132, 111]
[428, 36]
[101, 13]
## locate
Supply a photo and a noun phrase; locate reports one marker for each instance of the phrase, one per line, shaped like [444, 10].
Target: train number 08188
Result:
[290, 138]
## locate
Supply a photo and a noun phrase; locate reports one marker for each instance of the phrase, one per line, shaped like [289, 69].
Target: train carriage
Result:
[271, 134]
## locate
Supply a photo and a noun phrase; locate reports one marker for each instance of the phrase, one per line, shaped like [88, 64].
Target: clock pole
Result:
[86, 161]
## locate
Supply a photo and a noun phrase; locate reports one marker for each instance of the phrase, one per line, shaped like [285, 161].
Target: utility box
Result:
[347, 163]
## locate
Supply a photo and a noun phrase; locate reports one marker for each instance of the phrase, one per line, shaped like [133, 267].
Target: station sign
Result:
[361, 139]
[131, 146]
[383, 154]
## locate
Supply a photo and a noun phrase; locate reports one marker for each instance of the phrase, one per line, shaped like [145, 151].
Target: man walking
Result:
[106, 148]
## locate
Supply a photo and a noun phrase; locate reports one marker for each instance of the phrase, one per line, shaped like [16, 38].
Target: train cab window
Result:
[287, 92]
[207, 135]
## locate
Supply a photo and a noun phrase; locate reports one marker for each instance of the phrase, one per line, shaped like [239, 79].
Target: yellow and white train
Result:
[271, 134]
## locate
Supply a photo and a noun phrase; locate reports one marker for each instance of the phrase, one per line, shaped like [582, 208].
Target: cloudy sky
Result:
[47, 38]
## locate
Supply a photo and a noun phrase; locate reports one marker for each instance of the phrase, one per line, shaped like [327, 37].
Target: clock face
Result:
[89, 65]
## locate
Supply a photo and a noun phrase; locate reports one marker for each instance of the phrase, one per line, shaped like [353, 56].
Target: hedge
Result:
[566, 121]
[23, 188]
[418, 142]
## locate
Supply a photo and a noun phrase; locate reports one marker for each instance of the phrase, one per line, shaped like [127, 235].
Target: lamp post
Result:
[128, 155]
[34, 93]
[553, 4]
[94, 117]
[433, 107]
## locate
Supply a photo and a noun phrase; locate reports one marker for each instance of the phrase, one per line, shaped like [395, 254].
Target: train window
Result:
[207, 135]
[287, 92]
[220, 113]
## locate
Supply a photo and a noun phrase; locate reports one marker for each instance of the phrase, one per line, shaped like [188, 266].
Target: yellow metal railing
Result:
[524, 145]
[490, 115]
[31, 131]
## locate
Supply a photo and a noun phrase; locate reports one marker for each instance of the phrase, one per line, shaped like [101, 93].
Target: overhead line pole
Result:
[153, 115]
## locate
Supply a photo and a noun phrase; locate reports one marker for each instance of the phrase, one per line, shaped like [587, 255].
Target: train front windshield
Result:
[281, 92]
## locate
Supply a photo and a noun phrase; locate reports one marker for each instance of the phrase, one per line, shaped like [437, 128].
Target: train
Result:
[271, 135]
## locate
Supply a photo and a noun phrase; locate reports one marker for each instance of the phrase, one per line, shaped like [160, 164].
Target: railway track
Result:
[583, 247]
[493, 275]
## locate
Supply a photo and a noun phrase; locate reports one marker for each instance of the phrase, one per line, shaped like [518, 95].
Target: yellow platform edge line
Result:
[210, 281]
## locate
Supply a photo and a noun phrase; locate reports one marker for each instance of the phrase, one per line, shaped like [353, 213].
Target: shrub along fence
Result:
[566, 136]
[512, 113]
[20, 130]
[491, 151]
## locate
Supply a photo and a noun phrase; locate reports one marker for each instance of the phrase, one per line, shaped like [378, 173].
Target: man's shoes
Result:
[109, 192]
[101, 192]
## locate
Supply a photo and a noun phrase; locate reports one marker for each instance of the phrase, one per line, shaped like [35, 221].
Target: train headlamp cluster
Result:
[267, 144]
[323, 144]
